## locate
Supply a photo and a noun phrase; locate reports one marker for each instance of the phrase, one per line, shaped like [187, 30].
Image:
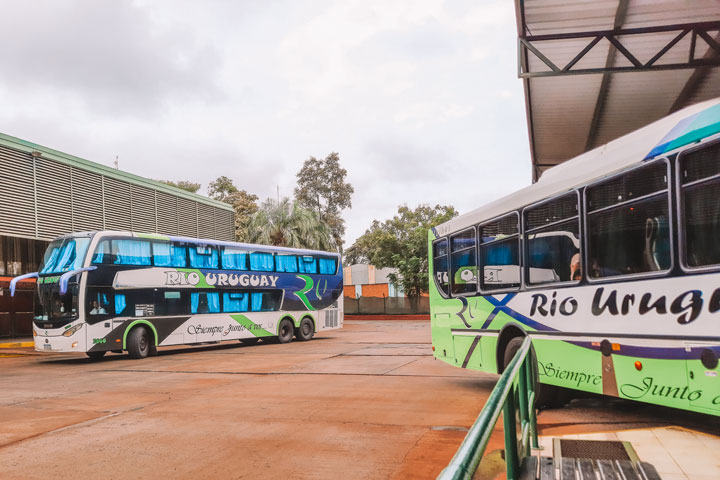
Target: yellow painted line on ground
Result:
[11, 355]
[17, 345]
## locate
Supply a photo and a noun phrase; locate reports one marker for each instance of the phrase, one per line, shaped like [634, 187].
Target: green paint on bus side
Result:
[138, 322]
[202, 283]
[152, 236]
[302, 293]
[251, 326]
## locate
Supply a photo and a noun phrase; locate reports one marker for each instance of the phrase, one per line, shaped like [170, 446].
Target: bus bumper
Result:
[54, 341]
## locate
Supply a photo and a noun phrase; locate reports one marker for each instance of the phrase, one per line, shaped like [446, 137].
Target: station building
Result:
[46, 193]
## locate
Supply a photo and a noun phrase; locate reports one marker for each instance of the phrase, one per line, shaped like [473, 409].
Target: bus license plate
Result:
[47, 347]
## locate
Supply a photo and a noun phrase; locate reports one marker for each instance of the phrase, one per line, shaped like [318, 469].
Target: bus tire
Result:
[95, 356]
[286, 329]
[546, 396]
[306, 330]
[249, 341]
[138, 342]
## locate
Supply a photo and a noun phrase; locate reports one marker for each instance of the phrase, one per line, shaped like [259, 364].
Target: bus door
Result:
[703, 375]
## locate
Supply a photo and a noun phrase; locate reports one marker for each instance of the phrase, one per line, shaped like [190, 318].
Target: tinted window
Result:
[99, 302]
[236, 301]
[500, 254]
[440, 265]
[307, 264]
[234, 258]
[553, 241]
[131, 252]
[261, 262]
[464, 265]
[286, 263]
[328, 266]
[172, 302]
[203, 256]
[700, 178]
[265, 301]
[632, 235]
[204, 302]
[169, 254]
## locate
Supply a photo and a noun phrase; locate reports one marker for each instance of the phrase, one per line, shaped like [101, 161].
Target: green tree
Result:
[186, 185]
[222, 189]
[321, 187]
[287, 224]
[245, 206]
[401, 243]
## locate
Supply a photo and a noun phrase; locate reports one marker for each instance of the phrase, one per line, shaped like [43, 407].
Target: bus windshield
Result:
[64, 255]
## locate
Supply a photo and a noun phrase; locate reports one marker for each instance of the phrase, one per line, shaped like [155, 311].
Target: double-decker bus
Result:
[120, 291]
[610, 263]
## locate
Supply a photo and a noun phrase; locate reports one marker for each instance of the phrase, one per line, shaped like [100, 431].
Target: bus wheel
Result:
[546, 396]
[138, 342]
[95, 356]
[285, 331]
[249, 341]
[306, 330]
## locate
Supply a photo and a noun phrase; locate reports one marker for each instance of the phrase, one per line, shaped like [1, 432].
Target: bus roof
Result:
[203, 241]
[653, 141]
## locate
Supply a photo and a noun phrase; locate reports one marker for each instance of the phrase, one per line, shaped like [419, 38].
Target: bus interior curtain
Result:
[50, 264]
[234, 259]
[213, 300]
[286, 263]
[194, 302]
[199, 259]
[235, 302]
[307, 264]
[257, 302]
[119, 303]
[67, 256]
[168, 255]
[327, 266]
[100, 252]
[261, 261]
[132, 252]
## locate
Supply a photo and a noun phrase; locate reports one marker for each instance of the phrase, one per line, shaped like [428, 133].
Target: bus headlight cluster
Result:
[72, 330]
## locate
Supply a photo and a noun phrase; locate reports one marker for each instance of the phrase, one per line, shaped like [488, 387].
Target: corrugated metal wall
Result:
[44, 198]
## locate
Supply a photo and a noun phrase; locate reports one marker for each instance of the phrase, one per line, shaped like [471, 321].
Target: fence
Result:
[387, 305]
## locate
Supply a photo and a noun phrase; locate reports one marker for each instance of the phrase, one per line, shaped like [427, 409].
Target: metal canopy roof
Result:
[594, 70]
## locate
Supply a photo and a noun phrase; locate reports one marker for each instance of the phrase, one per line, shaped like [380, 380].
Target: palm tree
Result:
[286, 224]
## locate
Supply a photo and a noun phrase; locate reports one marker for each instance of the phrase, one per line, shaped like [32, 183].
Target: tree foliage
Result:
[287, 224]
[401, 243]
[186, 185]
[222, 189]
[245, 204]
[321, 187]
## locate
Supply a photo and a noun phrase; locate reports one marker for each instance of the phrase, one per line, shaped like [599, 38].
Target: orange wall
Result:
[376, 290]
[349, 291]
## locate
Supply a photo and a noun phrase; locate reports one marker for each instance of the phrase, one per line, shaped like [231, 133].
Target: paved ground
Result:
[368, 401]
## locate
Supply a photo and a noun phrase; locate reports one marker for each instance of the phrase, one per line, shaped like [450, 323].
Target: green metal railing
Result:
[514, 392]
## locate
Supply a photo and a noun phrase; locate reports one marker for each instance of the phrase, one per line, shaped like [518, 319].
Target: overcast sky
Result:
[420, 98]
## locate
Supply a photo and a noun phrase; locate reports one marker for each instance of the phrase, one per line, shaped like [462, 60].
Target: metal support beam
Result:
[527, 46]
[694, 81]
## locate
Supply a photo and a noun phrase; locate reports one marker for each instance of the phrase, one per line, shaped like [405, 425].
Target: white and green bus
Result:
[108, 291]
[610, 263]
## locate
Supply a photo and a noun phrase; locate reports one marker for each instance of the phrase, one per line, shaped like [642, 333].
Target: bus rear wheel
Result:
[95, 356]
[306, 330]
[138, 342]
[546, 396]
[286, 329]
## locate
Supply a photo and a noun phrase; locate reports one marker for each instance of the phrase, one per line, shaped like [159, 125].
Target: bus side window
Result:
[440, 265]
[700, 190]
[102, 254]
[265, 301]
[235, 302]
[552, 233]
[234, 258]
[627, 223]
[500, 253]
[203, 256]
[328, 266]
[307, 264]
[204, 302]
[172, 302]
[463, 263]
[286, 263]
[169, 254]
[131, 252]
[120, 304]
[99, 302]
[261, 262]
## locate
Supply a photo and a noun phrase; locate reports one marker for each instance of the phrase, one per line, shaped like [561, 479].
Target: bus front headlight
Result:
[72, 330]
